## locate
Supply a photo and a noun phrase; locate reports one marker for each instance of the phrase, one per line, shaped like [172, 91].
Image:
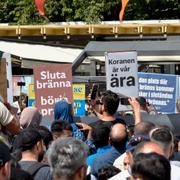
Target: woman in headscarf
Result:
[30, 117]
[63, 111]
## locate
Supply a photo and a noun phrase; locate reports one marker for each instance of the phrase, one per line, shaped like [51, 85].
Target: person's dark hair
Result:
[26, 139]
[151, 166]
[4, 154]
[60, 125]
[142, 101]
[163, 137]
[107, 172]
[143, 128]
[110, 101]
[100, 135]
[46, 135]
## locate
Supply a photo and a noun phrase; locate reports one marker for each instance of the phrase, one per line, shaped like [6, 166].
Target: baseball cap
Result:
[4, 154]
[141, 100]
[27, 139]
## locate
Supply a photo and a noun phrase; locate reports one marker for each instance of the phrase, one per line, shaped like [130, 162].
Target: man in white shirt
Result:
[8, 121]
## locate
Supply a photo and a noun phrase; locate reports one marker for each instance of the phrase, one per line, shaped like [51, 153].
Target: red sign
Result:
[52, 83]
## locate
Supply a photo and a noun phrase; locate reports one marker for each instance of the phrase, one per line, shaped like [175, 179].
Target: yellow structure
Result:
[90, 30]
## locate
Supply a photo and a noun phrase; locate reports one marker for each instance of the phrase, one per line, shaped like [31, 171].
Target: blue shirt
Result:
[106, 159]
[77, 133]
[99, 151]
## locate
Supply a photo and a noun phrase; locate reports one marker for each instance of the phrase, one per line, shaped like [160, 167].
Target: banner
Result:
[121, 73]
[31, 95]
[79, 99]
[52, 83]
[159, 90]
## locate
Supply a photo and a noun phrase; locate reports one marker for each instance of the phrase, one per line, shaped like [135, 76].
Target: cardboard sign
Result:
[52, 83]
[79, 99]
[160, 90]
[121, 73]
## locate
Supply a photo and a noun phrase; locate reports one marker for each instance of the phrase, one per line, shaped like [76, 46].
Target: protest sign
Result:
[7, 57]
[31, 95]
[3, 79]
[160, 90]
[121, 73]
[79, 99]
[52, 83]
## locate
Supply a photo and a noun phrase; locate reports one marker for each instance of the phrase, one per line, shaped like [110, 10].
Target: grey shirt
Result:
[43, 173]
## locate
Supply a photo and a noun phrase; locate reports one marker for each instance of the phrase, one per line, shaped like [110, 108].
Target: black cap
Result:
[141, 100]
[27, 139]
[4, 154]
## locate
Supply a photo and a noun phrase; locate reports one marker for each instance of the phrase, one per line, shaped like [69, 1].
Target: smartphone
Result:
[124, 101]
[94, 91]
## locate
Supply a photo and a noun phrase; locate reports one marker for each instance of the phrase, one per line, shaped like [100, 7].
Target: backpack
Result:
[34, 168]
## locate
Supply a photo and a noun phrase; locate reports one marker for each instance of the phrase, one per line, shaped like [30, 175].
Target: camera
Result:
[124, 101]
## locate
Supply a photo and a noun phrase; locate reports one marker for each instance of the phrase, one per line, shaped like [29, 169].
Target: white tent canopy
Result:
[40, 52]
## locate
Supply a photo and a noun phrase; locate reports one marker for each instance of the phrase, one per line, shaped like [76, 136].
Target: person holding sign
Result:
[108, 105]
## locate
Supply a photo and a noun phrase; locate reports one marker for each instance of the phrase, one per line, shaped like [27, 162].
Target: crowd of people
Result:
[108, 148]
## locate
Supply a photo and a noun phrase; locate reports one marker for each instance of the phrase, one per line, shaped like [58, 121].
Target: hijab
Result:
[63, 111]
[30, 117]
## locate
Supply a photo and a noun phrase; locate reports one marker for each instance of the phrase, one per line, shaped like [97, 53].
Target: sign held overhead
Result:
[121, 73]
[52, 83]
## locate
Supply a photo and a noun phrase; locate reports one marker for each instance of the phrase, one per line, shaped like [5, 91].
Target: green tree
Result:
[6, 6]
[25, 12]
[58, 11]
[94, 11]
[90, 11]
[152, 9]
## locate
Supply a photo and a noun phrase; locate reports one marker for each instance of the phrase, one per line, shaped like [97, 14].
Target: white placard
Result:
[7, 56]
[121, 73]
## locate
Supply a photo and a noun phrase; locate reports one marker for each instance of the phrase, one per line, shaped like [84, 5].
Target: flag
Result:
[124, 4]
[40, 6]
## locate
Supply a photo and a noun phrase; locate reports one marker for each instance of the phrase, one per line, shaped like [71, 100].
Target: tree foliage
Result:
[90, 11]
[153, 9]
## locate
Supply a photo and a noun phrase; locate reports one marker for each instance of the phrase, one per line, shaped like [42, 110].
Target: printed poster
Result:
[160, 90]
[79, 99]
[121, 73]
[31, 95]
[52, 83]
